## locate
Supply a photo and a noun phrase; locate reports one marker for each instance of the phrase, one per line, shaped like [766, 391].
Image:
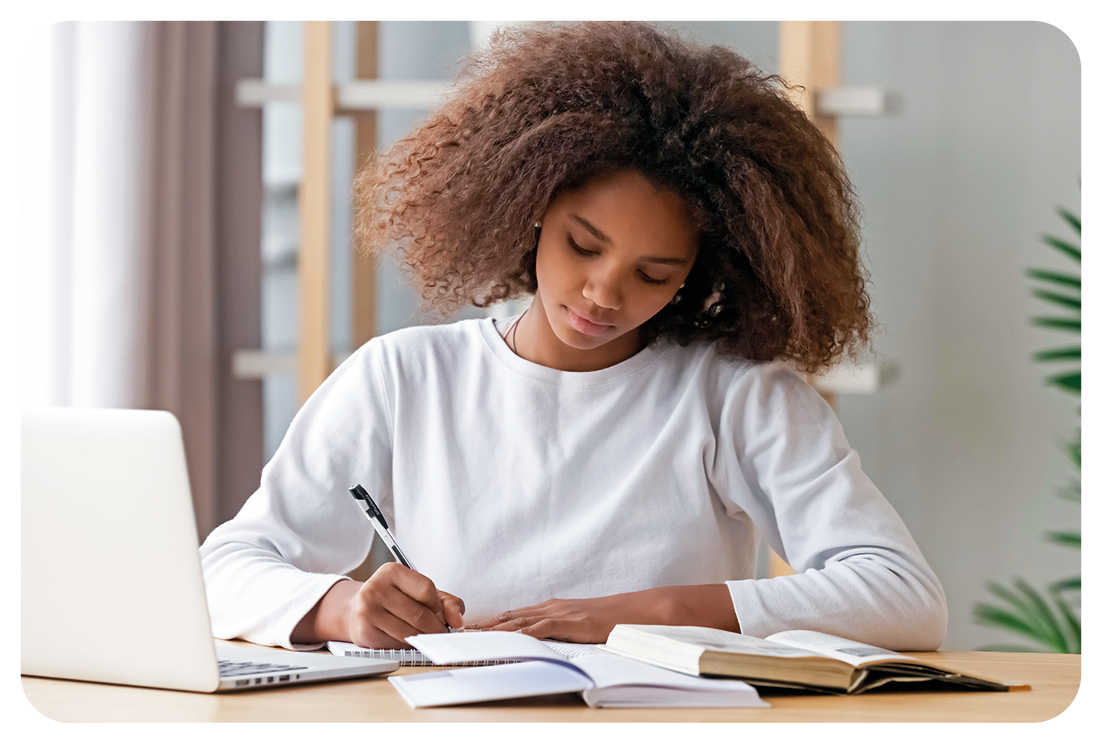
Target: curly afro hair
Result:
[543, 109]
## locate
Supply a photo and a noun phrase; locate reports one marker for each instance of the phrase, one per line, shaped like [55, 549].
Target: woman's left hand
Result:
[591, 620]
[571, 620]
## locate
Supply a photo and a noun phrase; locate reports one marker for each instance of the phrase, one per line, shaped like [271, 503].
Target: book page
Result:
[455, 648]
[489, 683]
[851, 652]
[610, 670]
[711, 639]
[571, 651]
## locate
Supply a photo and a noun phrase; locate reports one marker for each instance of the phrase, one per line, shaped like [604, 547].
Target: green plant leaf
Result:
[998, 617]
[1070, 584]
[1031, 617]
[1045, 614]
[1075, 452]
[1007, 595]
[985, 614]
[1070, 381]
[1056, 298]
[1075, 637]
[1055, 355]
[1065, 280]
[1063, 324]
[1072, 493]
[1064, 247]
[1072, 220]
[1027, 620]
[1071, 539]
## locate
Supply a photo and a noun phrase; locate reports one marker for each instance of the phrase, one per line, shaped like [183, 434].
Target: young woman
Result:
[612, 454]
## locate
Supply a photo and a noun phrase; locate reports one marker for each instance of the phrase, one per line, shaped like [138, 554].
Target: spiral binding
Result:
[413, 658]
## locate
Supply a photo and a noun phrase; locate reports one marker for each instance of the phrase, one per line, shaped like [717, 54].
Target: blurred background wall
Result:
[959, 180]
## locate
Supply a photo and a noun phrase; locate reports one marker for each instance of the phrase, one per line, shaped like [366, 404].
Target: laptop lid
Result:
[112, 589]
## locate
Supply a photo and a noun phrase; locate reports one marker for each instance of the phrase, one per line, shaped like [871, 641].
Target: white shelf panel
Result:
[355, 95]
[256, 364]
[852, 102]
[369, 95]
[854, 378]
[253, 93]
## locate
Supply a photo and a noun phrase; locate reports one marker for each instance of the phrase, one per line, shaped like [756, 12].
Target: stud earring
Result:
[539, 224]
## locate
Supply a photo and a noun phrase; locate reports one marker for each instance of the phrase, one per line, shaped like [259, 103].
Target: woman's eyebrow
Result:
[589, 226]
[605, 239]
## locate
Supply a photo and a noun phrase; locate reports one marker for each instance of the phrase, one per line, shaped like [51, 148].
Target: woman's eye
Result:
[578, 248]
[582, 251]
[652, 280]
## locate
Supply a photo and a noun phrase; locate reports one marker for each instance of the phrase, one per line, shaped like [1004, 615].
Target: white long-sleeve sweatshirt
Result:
[509, 483]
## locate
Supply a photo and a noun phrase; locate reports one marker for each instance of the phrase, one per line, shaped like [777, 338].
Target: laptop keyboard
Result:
[227, 668]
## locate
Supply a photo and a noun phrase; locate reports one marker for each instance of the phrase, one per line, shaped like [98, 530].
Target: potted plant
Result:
[1050, 618]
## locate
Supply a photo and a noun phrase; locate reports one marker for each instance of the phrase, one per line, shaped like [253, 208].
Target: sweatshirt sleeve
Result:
[859, 573]
[301, 530]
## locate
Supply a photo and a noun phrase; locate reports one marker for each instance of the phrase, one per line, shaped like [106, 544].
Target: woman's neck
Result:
[532, 338]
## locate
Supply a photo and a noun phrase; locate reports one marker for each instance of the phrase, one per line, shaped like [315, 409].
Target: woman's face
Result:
[611, 254]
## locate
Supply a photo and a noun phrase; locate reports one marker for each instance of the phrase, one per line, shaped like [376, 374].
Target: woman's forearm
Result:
[705, 605]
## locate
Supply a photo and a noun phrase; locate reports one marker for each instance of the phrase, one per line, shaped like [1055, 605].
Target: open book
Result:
[802, 659]
[602, 679]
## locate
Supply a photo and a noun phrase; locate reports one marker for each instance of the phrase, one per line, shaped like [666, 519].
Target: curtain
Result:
[156, 248]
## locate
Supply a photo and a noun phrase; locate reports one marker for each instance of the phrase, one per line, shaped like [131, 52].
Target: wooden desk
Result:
[1054, 679]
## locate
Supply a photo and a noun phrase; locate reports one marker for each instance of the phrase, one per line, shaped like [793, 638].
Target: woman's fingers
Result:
[573, 620]
[514, 619]
[453, 609]
[396, 617]
[543, 628]
[416, 586]
[397, 602]
[551, 630]
[383, 630]
[521, 617]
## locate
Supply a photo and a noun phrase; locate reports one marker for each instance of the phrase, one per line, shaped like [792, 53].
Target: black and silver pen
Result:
[375, 516]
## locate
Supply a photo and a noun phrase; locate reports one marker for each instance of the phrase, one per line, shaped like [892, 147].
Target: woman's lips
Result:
[584, 325]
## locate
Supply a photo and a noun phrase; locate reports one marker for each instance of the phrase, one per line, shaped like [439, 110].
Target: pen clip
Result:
[360, 493]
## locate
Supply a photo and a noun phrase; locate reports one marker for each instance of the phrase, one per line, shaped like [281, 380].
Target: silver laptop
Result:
[112, 589]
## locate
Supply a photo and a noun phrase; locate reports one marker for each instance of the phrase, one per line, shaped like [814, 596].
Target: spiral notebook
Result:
[413, 657]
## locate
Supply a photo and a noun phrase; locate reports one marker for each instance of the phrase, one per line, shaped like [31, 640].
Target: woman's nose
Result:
[604, 288]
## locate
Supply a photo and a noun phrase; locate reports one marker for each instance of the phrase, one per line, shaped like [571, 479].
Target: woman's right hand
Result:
[396, 602]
